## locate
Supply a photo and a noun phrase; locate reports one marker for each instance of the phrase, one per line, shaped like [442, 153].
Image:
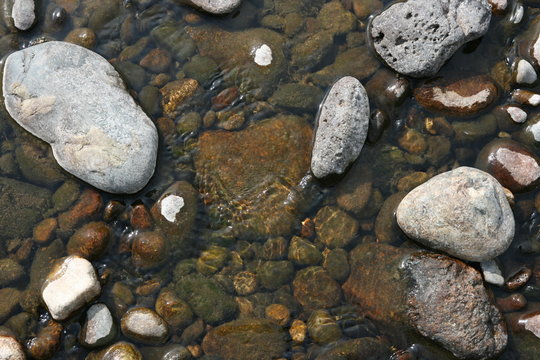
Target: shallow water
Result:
[267, 195]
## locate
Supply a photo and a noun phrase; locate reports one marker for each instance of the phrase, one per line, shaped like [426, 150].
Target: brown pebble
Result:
[148, 288]
[519, 279]
[140, 218]
[278, 313]
[513, 302]
[307, 231]
[90, 241]
[439, 126]
[85, 37]
[174, 310]
[225, 98]
[44, 231]
[157, 60]
[177, 93]
[24, 251]
[86, 208]
[149, 249]
[413, 141]
[113, 210]
[526, 97]
[47, 341]
[245, 283]
[195, 350]
[298, 331]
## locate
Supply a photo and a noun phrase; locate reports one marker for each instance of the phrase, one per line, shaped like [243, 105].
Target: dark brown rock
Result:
[519, 279]
[90, 241]
[429, 294]
[246, 339]
[511, 303]
[157, 60]
[149, 249]
[140, 217]
[354, 191]
[47, 341]
[512, 164]
[461, 98]
[335, 228]
[86, 208]
[44, 230]
[243, 181]
[314, 289]
[173, 310]
[225, 98]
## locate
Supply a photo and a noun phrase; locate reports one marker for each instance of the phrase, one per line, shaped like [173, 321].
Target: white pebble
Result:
[516, 114]
[492, 273]
[263, 55]
[525, 73]
[170, 206]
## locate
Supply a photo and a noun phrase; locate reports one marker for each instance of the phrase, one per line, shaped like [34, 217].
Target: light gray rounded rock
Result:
[217, 7]
[23, 14]
[145, 325]
[10, 349]
[463, 212]
[417, 37]
[99, 328]
[342, 127]
[73, 99]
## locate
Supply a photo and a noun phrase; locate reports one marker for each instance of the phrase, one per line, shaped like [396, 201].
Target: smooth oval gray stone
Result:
[416, 37]
[463, 212]
[73, 99]
[217, 7]
[342, 126]
[23, 14]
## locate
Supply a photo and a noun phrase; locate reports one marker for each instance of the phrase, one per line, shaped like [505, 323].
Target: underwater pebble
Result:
[99, 327]
[342, 127]
[71, 284]
[73, 99]
[144, 325]
[526, 97]
[525, 73]
[517, 114]
[416, 37]
[217, 7]
[492, 273]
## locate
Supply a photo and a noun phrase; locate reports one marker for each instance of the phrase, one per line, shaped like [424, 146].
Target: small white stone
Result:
[517, 16]
[170, 206]
[534, 100]
[263, 55]
[525, 73]
[99, 324]
[71, 284]
[492, 273]
[10, 349]
[516, 114]
[23, 14]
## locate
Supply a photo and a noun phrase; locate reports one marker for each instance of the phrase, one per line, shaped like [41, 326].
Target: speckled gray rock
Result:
[214, 6]
[99, 328]
[145, 325]
[73, 99]
[23, 14]
[342, 126]
[463, 212]
[416, 37]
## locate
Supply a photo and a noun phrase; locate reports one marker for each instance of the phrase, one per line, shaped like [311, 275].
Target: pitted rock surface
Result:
[73, 99]
[416, 37]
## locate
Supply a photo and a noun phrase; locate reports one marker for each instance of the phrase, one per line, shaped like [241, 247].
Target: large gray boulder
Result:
[463, 212]
[73, 99]
[342, 126]
[416, 37]
[217, 7]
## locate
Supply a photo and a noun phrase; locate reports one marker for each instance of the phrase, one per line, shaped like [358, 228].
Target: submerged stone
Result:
[74, 100]
[247, 190]
[217, 7]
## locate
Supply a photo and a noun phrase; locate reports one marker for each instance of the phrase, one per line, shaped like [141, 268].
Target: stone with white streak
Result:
[217, 7]
[73, 99]
[23, 14]
[417, 37]
[463, 212]
[342, 126]
[145, 325]
[71, 284]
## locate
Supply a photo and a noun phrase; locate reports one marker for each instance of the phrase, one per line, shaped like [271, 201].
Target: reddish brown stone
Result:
[157, 60]
[225, 98]
[140, 218]
[511, 303]
[47, 341]
[112, 211]
[44, 231]
[512, 164]
[461, 98]
[415, 293]
[519, 279]
[85, 209]
[149, 249]
[90, 241]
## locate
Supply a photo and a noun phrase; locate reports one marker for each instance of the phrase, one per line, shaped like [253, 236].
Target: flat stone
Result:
[342, 127]
[99, 328]
[217, 7]
[23, 14]
[417, 37]
[71, 284]
[461, 98]
[73, 99]
[145, 325]
[438, 297]
[463, 212]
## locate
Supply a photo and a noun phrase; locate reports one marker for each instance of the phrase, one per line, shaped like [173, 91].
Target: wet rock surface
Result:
[99, 328]
[417, 37]
[122, 145]
[246, 339]
[144, 325]
[463, 212]
[342, 126]
[430, 293]
[212, 6]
